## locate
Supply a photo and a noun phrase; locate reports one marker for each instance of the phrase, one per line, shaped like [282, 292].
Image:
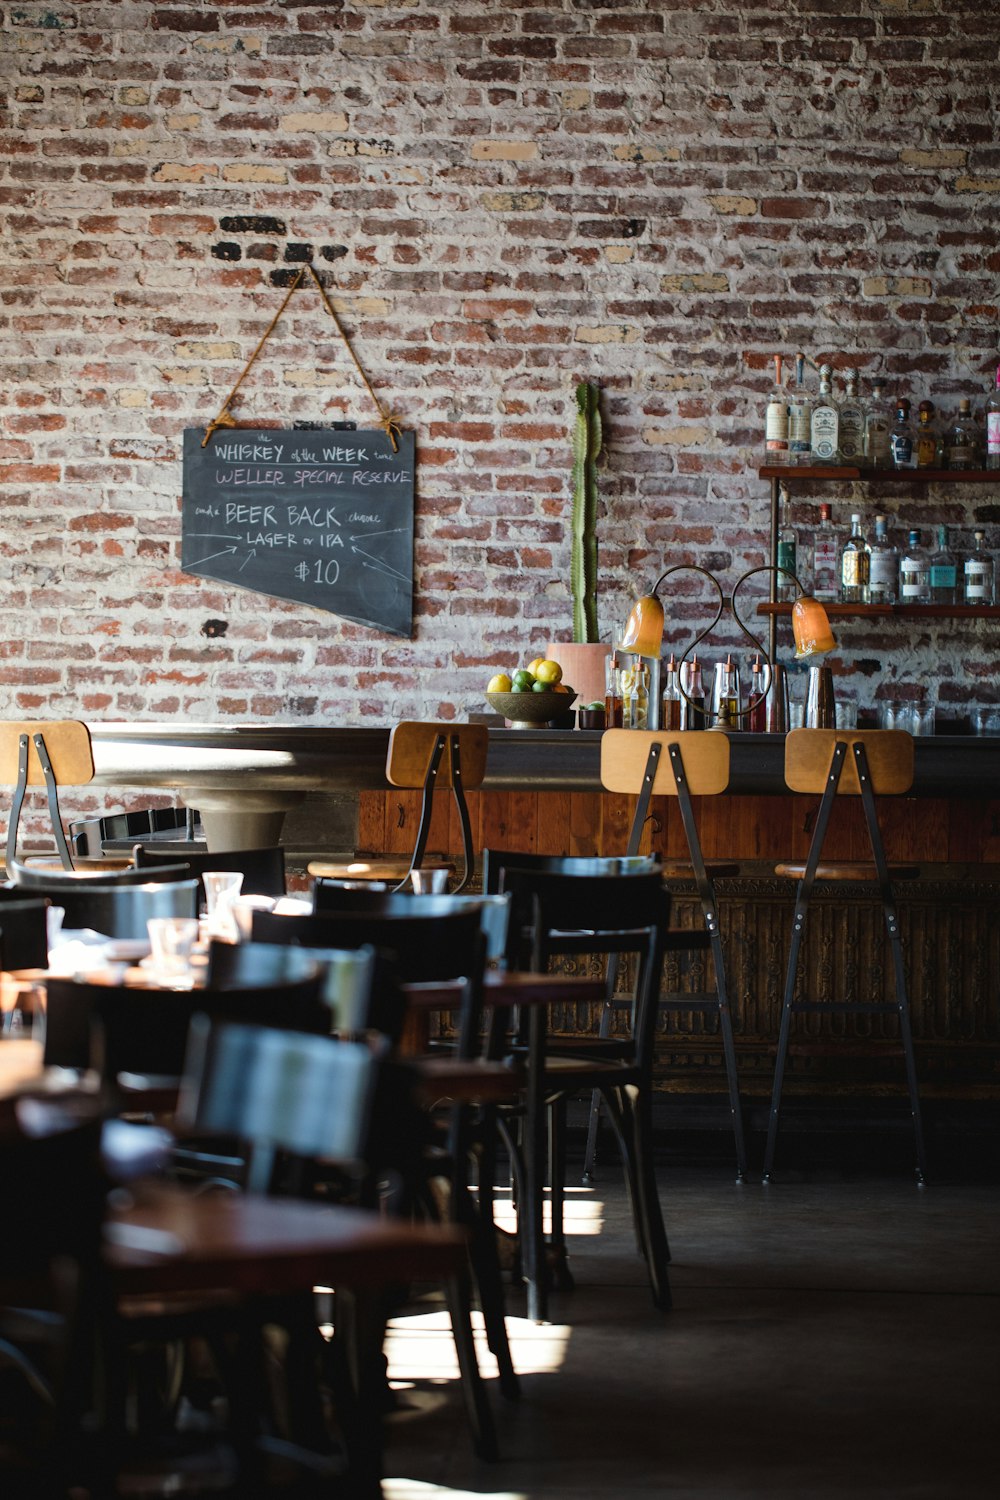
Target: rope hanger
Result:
[226, 419]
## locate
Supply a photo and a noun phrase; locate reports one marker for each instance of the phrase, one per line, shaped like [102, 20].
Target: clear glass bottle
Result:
[726, 696]
[914, 572]
[943, 570]
[825, 421]
[635, 695]
[852, 424]
[902, 441]
[788, 548]
[613, 691]
[993, 427]
[756, 718]
[670, 717]
[693, 703]
[855, 566]
[883, 576]
[926, 436]
[978, 573]
[825, 558]
[776, 421]
[961, 438]
[878, 421]
[799, 416]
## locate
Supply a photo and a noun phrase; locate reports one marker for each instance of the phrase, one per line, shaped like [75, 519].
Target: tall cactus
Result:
[583, 559]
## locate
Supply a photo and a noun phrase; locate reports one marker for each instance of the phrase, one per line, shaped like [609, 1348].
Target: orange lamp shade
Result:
[811, 628]
[644, 627]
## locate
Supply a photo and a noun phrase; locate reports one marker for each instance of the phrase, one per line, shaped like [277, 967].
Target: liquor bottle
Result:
[993, 427]
[825, 558]
[726, 696]
[776, 421]
[852, 423]
[671, 715]
[693, 704]
[757, 702]
[825, 422]
[961, 438]
[635, 695]
[978, 573]
[878, 420]
[613, 692]
[914, 573]
[883, 568]
[943, 570]
[787, 550]
[855, 566]
[926, 436]
[799, 417]
[901, 438]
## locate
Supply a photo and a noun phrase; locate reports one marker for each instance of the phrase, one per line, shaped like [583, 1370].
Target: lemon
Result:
[534, 665]
[499, 684]
[549, 672]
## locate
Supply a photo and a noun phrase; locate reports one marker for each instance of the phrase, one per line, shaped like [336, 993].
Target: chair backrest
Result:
[121, 911]
[278, 1091]
[24, 942]
[45, 877]
[432, 755]
[625, 755]
[119, 831]
[497, 861]
[53, 754]
[263, 870]
[144, 1031]
[809, 755]
[494, 910]
[359, 985]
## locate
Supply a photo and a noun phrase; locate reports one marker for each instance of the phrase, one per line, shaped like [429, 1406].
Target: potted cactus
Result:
[582, 658]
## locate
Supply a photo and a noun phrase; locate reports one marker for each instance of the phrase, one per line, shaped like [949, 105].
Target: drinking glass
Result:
[172, 940]
[221, 889]
[429, 882]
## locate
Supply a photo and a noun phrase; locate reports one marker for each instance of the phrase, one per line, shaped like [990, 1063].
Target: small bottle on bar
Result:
[693, 704]
[670, 717]
[757, 702]
[914, 572]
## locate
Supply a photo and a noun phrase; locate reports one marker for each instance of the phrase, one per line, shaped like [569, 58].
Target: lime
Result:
[523, 681]
[596, 704]
[541, 687]
[499, 684]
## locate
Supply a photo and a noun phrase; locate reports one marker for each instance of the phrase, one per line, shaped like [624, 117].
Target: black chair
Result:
[617, 918]
[263, 870]
[24, 940]
[494, 909]
[120, 910]
[118, 833]
[45, 877]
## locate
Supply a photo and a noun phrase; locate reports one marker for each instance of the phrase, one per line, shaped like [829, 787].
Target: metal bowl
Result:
[530, 710]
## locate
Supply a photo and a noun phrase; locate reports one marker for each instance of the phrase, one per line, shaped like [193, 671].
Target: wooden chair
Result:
[263, 870]
[852, 763]
[52, 754]
[427, 756]
[681, 764]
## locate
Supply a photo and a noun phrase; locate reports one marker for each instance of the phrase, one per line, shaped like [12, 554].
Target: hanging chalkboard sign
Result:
[322, 517]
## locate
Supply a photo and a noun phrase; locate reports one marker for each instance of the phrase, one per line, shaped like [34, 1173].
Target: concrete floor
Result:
[831, 1336]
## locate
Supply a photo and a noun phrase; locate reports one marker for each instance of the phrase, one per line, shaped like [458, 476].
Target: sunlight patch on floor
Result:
[415, 1489]
[583, 1214]
[420, 1348]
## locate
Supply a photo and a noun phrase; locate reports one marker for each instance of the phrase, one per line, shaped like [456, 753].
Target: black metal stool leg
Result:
[798, 927]
[729, 1052]
[906, 1036]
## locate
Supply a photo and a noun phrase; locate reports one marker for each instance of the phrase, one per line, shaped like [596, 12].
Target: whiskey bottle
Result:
[978, 573]
[926, 436]
[693, 698]
[825, 423]
[877, 425]
[825, 558]
[776, 421]
[852, 424]
[757, 702]
[914, 573]
[883, 573]
[943, 570]
[799, 417]
[855, 566]
[787, 551]
[961, 438]
[671, 715]
[901, 438]
[993, 427]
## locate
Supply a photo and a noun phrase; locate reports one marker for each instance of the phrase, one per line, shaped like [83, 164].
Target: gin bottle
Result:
[825, 424]
[776, 421]
[926, 436]
[825, 559]
[914, 573]
[961, 438]
[852, 423]
[883, 567]
[787, 551]
[799, 417]
[877, 424]
[855, 566]
[901, 438]
[993, 427]
[944, 572]
[978, 573]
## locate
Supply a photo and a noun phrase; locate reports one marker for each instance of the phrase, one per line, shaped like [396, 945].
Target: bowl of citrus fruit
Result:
[531, 696]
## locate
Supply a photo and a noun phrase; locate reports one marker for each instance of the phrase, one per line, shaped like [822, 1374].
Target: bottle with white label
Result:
[799, 417]
[878, 422]
[855, 566]
[961, 438]
[825, 423]
[978, 573]
[914, 573]
[883, 567]
[776, 421]
[826, 558]
[852, 423]
[993, 427]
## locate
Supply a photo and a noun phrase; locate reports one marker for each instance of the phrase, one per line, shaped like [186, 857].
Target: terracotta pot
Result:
[583, 667]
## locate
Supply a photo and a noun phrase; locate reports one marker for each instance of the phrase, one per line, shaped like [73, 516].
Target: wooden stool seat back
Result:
[52, 755]
[625, 753]
[809, 757]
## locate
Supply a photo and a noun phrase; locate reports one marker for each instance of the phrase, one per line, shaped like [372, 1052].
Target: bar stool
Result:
[681, 764]
[417, 759]
[853, 763]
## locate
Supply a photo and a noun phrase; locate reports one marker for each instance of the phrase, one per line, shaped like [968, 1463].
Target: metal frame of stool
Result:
[427, 807]
[901, 1004]
[51, 792]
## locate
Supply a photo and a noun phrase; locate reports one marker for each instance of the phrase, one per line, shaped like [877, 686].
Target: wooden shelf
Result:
[878, 476]
[895, 611]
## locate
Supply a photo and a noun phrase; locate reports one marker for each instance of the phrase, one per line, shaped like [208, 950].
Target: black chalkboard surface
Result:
[321, 517]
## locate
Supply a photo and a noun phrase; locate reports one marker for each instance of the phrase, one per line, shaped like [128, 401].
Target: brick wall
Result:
[506, 199]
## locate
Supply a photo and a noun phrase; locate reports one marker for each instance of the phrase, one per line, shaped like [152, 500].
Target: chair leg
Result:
[906, 1036]
[635, 1107]
[561, 1274]
[477, 1406]
[729, 1052]
[798, 928]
